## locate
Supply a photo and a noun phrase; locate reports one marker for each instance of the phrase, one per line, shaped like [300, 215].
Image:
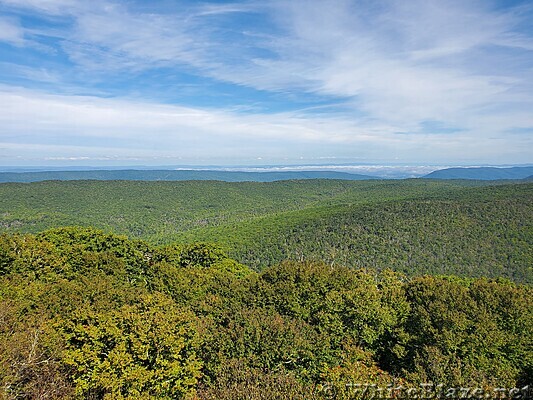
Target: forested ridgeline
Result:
[85, 314]
[487, 232]
[155, 211]
[467, 228]
[175, 175]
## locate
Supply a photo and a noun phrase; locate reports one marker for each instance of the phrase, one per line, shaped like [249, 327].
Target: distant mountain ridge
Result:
[482, 173]
[176, 175]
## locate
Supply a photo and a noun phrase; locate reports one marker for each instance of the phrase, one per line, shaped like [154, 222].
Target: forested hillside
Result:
[469, 228]
[485, 173]
[480, 232]
[89, 315]
[175, 175]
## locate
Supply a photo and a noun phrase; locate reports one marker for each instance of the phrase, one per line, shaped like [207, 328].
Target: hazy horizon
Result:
[374, 170]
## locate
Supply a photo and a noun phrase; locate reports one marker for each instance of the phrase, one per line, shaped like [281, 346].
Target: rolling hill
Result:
[482, 173]
[470, 228]
[175, 175]
[377, 281]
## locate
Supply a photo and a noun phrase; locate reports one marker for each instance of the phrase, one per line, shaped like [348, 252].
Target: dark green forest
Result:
[283, 290]
[467, 228]
[91, 315]
[179, 175]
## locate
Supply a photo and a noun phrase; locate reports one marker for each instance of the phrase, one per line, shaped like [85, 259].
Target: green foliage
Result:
[85, 313]
[201, 255]
[357, 367]
[27, 255]
[194, 255]
[236, 380]
[336, 300]
[264, 339]
[466, 228]
[147, 349]
[480, 233]
[29, 365]
[89, 249]
[88, 314]
[461, 333]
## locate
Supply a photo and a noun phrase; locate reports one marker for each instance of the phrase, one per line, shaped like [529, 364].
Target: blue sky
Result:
[266, 82]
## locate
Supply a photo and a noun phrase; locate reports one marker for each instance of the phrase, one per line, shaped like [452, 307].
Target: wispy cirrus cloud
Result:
[11, 32]
[40, 126]
[431, 76]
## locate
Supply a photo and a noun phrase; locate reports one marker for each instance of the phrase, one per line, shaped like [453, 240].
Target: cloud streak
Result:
[43, 125]
[399, 69]
[11, 32]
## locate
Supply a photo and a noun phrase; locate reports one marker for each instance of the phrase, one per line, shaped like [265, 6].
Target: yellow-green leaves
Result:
[143, 348]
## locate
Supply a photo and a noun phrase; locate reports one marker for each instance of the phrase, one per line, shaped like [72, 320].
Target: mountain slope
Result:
[477, 232]
[157, 211]
[471, 228]
[482, 173]
[175, 175]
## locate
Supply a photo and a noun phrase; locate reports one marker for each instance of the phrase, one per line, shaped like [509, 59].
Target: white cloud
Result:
[392, 62]
[24, 111]
[11, 32]
[54, 7]
[395, 65]
[54, 126]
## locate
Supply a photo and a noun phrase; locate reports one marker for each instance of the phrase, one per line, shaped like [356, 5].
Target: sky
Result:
[170, 82]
